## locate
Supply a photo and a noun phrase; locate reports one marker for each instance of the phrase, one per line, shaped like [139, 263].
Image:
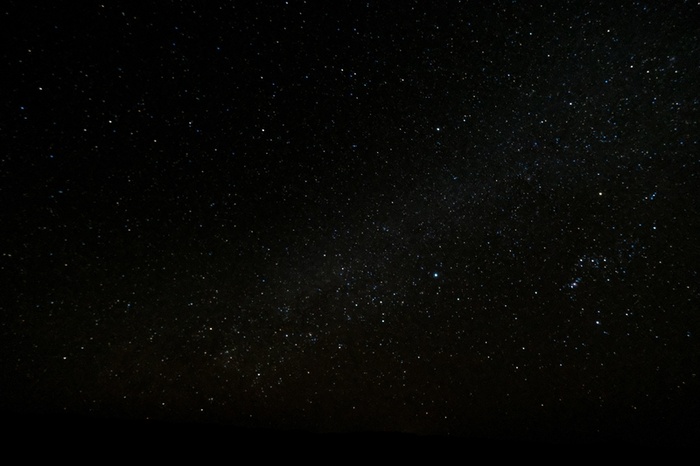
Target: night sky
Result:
[470, 219]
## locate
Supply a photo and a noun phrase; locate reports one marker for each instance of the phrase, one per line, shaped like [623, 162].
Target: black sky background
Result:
[448, 218]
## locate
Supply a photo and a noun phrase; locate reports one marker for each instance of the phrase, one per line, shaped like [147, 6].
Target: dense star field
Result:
[452, 218]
